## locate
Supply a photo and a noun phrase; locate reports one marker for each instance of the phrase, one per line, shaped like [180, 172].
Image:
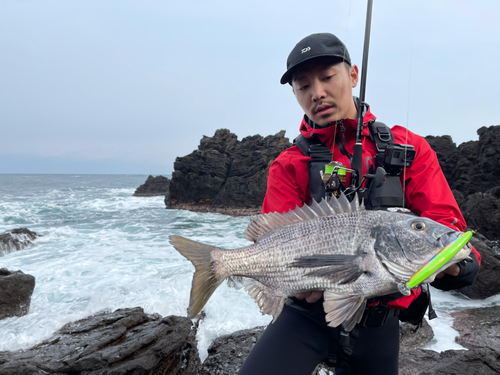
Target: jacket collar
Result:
[347, 126]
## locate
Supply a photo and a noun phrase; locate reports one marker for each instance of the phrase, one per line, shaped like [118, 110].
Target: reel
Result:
[334, 179]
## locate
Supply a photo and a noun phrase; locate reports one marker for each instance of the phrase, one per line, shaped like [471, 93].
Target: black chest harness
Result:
[383, 189]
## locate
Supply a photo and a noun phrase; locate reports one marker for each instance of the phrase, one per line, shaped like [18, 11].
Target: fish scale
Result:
[337, 247]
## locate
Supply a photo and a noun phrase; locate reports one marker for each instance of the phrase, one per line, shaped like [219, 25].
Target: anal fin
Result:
[268, 303]
[345, 310]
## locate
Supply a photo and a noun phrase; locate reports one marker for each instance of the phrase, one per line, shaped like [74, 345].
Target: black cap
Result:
[312, 46]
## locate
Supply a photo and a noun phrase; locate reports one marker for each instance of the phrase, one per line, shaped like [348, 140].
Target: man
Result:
[322, 77]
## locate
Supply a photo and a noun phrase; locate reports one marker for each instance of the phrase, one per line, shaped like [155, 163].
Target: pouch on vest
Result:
[320, 155]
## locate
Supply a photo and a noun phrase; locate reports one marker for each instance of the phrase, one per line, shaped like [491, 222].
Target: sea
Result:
[103, 249]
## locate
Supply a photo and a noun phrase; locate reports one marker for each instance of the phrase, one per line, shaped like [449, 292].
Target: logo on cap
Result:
[304, 50]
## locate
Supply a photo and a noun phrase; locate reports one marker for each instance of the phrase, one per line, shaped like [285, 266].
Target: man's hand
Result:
[453, 270]
[312, 296]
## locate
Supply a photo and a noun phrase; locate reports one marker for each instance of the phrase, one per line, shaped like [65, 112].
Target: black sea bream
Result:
[337, 247]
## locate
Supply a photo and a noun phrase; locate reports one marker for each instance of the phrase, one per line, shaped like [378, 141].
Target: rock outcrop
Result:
[153, 187]
[225, 175]
[487, 283]
[227, 353]
[478, 328]
[412, 338]
[16, 289]
[473, 173]
[482, 361]
[16, 239]
[126, 341]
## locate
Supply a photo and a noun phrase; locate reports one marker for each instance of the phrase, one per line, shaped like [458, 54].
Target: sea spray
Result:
[102, 248]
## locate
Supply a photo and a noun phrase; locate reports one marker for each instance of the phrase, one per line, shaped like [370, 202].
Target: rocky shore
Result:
[16, 239]
[126, 341]
[129, 341]
[225, 175]
[153, 187]
[229, 176]
[16, 289]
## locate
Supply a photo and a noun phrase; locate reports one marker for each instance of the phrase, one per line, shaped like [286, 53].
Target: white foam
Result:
[102, 248]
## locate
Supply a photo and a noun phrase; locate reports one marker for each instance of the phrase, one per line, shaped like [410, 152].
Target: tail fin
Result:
[204, 280]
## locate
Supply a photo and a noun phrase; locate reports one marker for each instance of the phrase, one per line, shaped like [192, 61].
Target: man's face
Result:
[324, 91]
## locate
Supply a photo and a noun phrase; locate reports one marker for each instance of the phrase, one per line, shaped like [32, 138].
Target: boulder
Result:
[154, 186]
[227, 353]
[478, 328]
[225, 175]
[482, 361]
[16, 289]
[487, 283]
[16, 239]
[126, 341]
[412, 337]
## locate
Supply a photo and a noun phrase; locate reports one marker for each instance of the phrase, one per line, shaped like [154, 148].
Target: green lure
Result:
[439, 259]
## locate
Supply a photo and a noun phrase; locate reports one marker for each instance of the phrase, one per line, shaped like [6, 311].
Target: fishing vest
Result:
[390, 194]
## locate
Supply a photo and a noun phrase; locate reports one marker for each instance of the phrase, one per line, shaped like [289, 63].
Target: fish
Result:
[336, 246]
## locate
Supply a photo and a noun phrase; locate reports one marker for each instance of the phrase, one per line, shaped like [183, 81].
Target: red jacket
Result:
[427, 192]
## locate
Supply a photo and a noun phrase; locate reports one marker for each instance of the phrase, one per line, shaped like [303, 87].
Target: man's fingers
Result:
[311, 296]
[314, 296]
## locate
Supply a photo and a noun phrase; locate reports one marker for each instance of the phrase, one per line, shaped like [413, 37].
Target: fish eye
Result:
[418, 225]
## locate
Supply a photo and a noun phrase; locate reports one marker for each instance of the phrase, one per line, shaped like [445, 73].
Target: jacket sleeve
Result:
[468, 273]
[286, 184]
[429, 195]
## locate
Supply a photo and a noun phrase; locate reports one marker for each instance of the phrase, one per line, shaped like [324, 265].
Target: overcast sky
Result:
[126, 86]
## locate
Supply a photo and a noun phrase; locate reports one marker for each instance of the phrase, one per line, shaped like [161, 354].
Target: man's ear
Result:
[354, 73]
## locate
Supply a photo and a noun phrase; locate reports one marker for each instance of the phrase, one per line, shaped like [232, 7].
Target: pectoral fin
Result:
[342, 269]
[345, 310]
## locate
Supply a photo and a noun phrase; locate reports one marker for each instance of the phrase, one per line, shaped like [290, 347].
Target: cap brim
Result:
[287, 77]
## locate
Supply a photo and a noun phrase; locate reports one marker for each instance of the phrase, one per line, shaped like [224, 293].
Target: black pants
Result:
[299, 340]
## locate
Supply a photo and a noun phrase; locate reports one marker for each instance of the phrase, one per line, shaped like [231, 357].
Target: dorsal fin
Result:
[268, 222]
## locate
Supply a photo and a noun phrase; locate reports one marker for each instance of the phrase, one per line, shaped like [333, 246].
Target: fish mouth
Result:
[448, 237]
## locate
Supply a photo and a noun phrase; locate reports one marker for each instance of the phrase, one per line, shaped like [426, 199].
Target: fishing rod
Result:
[358, 148]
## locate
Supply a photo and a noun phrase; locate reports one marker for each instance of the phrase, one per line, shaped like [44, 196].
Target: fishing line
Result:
[408, 108]
[340, 88]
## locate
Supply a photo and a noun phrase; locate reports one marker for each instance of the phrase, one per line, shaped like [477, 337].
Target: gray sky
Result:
[125, 87]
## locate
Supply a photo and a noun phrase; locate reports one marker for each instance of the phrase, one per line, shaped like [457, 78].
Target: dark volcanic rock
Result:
[227, 353]
[16, 239]
[127, 341]
[473, 166]
[473, 173]
[484, 361]
[487, 282]
[154, 186]
[225, 175]
[16, 289]
[412, 338]
[478, 328]
[482, 212]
